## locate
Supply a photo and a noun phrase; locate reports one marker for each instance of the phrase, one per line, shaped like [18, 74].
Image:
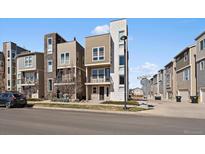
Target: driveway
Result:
[175, 109]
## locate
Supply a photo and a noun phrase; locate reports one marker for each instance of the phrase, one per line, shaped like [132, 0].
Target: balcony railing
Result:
[98, 80]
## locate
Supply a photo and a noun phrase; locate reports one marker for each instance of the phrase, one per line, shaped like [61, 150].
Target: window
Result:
[94, 73]
[98, 54]
[8, 82]
[8, 53]
[94, 90]
[122, 60]
[186, 56]
[202, 44]
[107, 92]
[107, 74]
[122, 79]
[49, 45]
[202, 65]
[101, 73]
[121, 33]
[28, 61]
[186, 74]
[50, 65]
[101, 53]
[50, 86]
[8, 70]
[13, 54]
[64, 58]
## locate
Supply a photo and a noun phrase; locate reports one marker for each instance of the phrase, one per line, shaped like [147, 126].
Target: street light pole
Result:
[124, 38]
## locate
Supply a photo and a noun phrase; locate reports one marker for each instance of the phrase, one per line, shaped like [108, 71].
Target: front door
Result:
[101, 93]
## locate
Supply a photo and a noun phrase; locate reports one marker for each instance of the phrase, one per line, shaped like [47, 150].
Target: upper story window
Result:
[8, 70]
[202, 65]
[122, 60]
[98, 54]
[49, 45]
[186, 57]
[13, 54]
[186, 74]
[50, 66]
[121, 33]
[28, 61]
[64, 59]
[121, 79]
[202, 44]
[94, 73]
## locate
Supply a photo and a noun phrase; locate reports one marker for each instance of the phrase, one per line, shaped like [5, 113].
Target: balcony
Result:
[98, 80]
[25, 82]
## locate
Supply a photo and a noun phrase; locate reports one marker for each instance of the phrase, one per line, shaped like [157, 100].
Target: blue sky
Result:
[152, 42]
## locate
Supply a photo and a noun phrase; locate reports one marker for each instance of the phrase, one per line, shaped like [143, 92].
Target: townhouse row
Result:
[184, 76]
[67, 69]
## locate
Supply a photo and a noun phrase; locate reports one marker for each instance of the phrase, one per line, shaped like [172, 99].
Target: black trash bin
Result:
[194, 99]
[178, 98]
[157, 97]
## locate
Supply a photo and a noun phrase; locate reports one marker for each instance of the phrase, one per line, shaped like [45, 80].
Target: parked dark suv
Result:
[12, 99]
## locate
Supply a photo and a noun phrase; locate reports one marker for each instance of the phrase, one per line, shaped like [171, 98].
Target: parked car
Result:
[12, 99]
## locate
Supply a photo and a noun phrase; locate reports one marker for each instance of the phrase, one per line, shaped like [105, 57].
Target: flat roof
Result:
[97, 35]
[184, 50]
[29, 53]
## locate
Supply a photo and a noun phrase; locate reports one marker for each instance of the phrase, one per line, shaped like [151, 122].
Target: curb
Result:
[87, 110]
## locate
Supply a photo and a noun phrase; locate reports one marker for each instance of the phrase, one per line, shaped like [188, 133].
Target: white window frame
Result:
[98, 77]
[51, 66]
[28, 61]
[119, 59]
[64, 58]
[98, 53]
[50, 46]
[186, 78]
[200, 65]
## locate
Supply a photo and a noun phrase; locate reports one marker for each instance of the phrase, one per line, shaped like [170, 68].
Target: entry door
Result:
[101, 93]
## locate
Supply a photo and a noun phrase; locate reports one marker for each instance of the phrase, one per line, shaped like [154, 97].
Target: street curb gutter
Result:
[87, 110]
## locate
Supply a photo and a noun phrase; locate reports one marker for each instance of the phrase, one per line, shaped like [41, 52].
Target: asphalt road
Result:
[50, 122]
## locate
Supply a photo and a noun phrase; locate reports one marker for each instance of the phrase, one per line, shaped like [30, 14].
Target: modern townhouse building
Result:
[30, 74]
[155, 85]
[161, 83]
[50, 62]
[170, 80]
[2, 74]
[70, 78]
[200, 62]
[105, 61]
[11, 50]
[151, 95]
[185, 73]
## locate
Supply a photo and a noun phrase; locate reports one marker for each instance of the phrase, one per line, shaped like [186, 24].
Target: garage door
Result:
[185, 96]
[202, 96]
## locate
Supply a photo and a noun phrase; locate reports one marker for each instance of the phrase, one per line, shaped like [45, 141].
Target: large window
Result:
[121, 79]
[202, 44]
[122, 60]
[98, 54]
[94, 73]
[50, 86]
[202, 65]
[101, 73]
[186, 74]
[49, 45]
[28, 61]
[64, 58]
[50, 65]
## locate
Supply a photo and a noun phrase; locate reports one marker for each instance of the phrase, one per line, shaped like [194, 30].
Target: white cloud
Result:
[101, 29]
[145, 69]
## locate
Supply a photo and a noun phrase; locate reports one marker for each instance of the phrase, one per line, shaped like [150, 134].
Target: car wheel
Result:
[8, 105]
